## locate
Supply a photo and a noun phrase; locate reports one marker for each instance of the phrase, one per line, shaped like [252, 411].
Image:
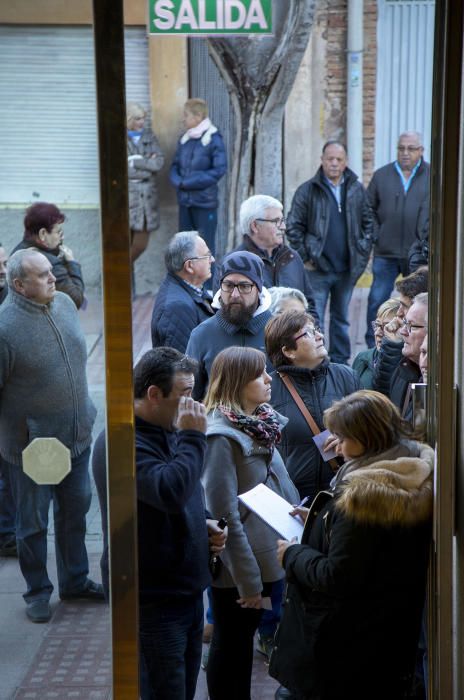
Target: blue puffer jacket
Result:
[177, 311]
[197, 167]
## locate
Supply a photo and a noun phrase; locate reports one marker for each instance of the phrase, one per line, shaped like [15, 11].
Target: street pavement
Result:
[70, 657]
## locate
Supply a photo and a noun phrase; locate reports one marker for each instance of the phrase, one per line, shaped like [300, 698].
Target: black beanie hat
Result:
[244, 263]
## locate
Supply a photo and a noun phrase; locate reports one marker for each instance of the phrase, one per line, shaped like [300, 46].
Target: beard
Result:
[238, 314]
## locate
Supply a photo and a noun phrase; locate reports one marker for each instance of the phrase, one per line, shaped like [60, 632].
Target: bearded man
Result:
[243, 311]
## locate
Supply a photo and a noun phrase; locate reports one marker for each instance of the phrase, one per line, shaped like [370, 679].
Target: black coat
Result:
[177, 311]
[399, 217]
[318, 388]
[309, 217]
[356, 584]
[387, 360]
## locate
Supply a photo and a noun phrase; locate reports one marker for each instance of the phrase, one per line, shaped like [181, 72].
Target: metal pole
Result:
[446, 197]
[354, 110]
[109, 62]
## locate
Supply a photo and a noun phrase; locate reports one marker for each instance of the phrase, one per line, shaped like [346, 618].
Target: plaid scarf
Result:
[262, 426]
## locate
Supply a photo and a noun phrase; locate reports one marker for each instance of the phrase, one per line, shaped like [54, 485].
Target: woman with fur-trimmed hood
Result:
[356, 583]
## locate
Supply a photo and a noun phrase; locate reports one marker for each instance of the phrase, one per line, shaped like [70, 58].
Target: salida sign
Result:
[210, 17]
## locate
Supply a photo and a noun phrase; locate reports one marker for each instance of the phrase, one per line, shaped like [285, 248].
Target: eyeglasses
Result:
[376, 326]
[277, 222]
[309, 332]
[410, 326]
[242, 287]
[408, 149]
[201, 257]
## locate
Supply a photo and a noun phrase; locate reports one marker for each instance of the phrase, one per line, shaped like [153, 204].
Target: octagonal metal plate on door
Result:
[46, 461]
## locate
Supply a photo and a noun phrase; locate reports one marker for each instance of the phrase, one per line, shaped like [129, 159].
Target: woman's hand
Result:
[300, 511]
[282, 546]
[251, 601]
[331, 443]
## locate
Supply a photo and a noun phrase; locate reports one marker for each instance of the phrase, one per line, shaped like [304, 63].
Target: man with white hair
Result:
[263, 228]
[413, 332]
[399, 196]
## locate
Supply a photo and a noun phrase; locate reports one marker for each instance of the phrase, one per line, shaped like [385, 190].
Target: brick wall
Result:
[332, 17]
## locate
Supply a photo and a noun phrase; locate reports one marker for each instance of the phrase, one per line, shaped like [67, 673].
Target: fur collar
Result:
[205, 137]
[389, 492]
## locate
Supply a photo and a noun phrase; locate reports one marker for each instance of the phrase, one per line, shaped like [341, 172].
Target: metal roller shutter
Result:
[48, 139]
[405, 35]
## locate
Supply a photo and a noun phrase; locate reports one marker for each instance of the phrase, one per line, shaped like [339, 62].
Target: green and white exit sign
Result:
[210, 16]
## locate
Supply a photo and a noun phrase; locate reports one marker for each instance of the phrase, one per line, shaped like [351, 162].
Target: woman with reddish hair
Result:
[43, 229]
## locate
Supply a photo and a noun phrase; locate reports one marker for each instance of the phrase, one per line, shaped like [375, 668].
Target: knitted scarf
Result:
[262, 426]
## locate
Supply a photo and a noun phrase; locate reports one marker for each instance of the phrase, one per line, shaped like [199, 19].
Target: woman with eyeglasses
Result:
[296, 348]
[243, 432]
[364, 362]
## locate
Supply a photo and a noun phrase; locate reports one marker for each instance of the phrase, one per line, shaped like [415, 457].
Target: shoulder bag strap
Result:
[306, 414]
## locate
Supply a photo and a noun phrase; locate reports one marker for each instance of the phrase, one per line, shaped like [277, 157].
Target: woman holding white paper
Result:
[243, 431]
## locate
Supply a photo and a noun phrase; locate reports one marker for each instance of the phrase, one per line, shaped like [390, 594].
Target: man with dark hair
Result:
[399, 197]
[243, 304]
[182, 301]
[44, 394]
[330, 225]
[173, 528]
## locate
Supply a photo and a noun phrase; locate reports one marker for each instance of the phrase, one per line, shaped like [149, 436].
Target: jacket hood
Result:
[389, 490]
[305, 372]
[218, 424]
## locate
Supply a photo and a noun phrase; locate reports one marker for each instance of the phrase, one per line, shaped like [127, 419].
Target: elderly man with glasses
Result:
[399, 197]
[182, 301]
[243, 311]
[412, 331]
[263, 227]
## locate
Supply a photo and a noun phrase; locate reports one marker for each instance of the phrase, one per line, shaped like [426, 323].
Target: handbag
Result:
[313, 426]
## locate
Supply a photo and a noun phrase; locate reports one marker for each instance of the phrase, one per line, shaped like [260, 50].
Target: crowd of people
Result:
[241, 390]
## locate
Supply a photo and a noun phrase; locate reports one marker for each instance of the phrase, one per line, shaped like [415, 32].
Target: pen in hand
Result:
[302, 502]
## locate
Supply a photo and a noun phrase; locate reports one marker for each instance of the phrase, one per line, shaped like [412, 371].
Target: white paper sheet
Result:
[274, 510]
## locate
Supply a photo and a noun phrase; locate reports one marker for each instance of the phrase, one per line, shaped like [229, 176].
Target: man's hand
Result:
[282, 546]
[251, 601]
[309, 265]
[216, 537]
[191, 415]
[392, 330]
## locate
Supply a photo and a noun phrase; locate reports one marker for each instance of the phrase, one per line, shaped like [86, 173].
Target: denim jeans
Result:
[7, 508]
[339, 287]
[170, 645]
[71, 502]
[202, 220]
[384, 272]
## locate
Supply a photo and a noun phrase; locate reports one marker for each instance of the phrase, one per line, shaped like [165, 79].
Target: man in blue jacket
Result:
[173, 528]
[199, 163]
[182, 301]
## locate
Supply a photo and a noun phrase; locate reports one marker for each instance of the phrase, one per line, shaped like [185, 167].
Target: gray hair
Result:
[279, 294]
[414, 134]
[255, 208]
[15, 268]
[180, 249]
[423, 299]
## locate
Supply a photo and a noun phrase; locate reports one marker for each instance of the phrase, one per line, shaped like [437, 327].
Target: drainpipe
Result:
[354, 111]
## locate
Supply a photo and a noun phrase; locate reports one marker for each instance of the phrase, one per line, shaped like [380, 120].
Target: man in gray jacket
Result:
[399, 196]
[43, 393]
